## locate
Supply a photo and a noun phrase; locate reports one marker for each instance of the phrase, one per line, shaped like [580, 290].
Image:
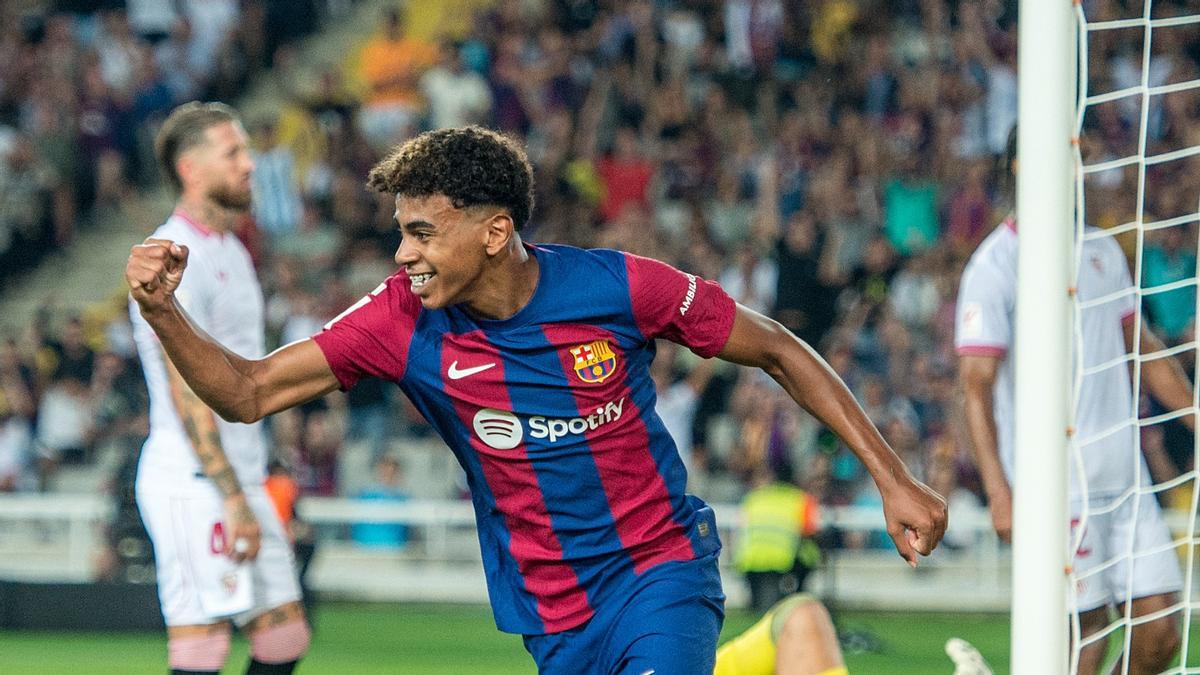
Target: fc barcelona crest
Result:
[595, 361]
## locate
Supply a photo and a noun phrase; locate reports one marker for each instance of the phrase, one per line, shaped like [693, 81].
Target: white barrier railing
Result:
[56, 538]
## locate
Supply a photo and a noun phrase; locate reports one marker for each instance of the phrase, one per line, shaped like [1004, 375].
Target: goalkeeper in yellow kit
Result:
[796, 637]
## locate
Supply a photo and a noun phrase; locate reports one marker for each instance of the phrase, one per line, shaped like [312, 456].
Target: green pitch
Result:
[432, 639]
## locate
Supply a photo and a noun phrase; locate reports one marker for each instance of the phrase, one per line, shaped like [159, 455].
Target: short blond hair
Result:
[184, 129]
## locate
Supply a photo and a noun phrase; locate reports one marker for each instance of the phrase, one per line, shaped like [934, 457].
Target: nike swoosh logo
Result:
[456, 374]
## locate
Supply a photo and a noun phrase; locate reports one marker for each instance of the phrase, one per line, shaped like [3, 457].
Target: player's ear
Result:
[499, 232]
[185, 167]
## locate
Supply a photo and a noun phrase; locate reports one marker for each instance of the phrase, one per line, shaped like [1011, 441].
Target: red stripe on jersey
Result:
[637, 494]
[561, 601]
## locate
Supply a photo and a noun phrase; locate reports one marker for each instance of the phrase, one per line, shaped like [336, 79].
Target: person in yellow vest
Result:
[775, 551]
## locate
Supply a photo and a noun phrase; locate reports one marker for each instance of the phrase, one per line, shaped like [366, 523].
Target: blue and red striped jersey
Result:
[577, 486]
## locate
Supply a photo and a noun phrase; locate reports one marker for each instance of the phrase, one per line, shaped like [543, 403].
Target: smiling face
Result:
[444, 249]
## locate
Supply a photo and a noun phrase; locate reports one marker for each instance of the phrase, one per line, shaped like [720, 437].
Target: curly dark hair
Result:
[472, 166]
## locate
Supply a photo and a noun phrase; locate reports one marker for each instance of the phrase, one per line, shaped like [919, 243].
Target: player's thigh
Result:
[649, 634]
[190, 566]
[681, 640]
[1091, 537]
[671, 624]
[1141, 530]
[273, 572]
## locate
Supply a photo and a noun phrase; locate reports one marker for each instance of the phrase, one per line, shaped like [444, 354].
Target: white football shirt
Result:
[985, 325]
[220, 292]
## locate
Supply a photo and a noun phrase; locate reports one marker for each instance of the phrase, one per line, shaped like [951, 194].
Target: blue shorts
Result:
[668, 625]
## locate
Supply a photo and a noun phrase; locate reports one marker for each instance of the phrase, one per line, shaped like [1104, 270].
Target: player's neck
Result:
[507, 286]
[206, 214]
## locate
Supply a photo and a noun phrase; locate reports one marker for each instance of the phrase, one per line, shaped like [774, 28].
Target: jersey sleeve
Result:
[983, 319]
[679, 307]
[372, 336]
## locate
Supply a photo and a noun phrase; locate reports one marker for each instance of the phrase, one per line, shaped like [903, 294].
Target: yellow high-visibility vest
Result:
[775, 520]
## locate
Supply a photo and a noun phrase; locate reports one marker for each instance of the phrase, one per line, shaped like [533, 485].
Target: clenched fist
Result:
[153, 272]
[916, 517]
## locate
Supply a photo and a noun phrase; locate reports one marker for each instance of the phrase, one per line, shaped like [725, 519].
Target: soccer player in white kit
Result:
[221, 553]
[984, 339]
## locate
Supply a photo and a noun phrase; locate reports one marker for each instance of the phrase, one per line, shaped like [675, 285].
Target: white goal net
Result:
[1137, 175]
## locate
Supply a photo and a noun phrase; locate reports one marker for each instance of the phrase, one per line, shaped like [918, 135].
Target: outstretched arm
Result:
[916, 515]
[237, 389]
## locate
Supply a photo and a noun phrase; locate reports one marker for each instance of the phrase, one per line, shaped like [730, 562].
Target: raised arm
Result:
[915, 514]
[236, 388]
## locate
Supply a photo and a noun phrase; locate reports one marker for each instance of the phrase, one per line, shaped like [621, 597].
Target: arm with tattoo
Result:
[200, 424]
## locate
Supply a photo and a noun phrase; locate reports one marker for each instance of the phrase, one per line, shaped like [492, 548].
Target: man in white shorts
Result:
[984, 338]
[221, 554]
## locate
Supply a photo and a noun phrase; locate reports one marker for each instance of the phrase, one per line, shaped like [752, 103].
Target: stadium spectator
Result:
[626, 174]
[751, 278]
[277, 201]
[17, 408]
[27, 194]
[120, 404]
[65, 426]
[69, 356]
[804, 295]
[178, 56]
[456, 95]
[391, 64]
[320, 445]
[1166, 259]
[678, 401]
[387, 486]
[910, 209]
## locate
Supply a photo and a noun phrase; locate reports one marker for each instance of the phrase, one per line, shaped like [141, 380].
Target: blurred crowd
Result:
[85, 84]
[832, 163]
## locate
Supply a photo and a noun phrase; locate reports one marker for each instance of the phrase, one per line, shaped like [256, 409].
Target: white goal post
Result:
[1045, 211]
[1141, 153]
